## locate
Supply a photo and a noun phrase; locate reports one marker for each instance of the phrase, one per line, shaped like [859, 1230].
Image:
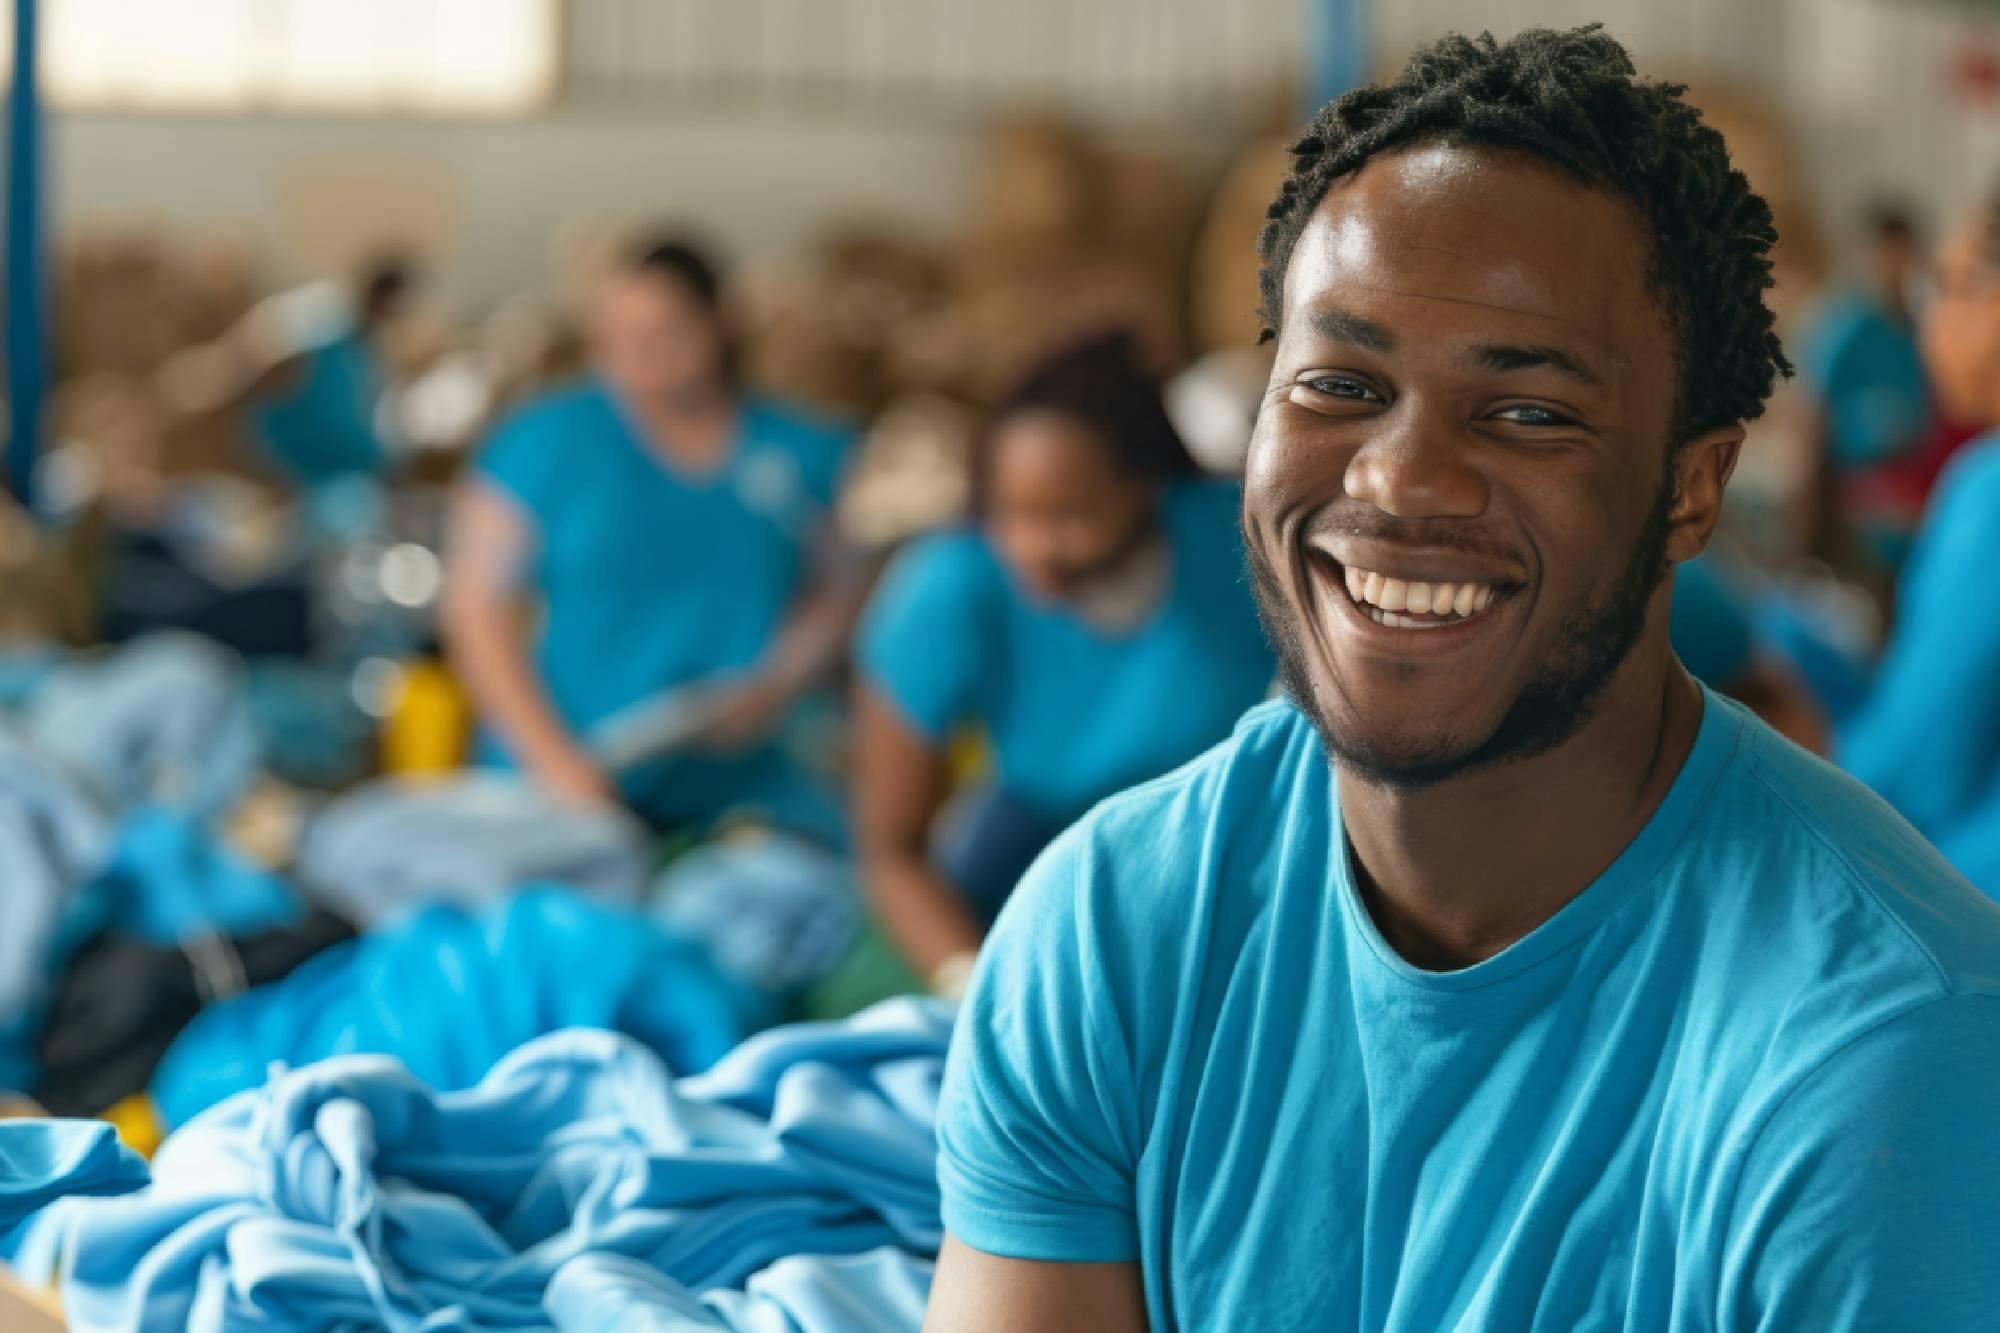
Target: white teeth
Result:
[1394, 621]
[1414, 604]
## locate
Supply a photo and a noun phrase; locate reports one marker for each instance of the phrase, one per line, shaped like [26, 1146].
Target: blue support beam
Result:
[26, 282]
[1341, 42]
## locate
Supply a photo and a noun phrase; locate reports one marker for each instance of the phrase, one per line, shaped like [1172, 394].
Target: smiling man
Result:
[1502, 978]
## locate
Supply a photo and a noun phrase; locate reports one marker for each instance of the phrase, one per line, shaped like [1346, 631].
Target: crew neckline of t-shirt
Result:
[635, 439]
[1715, 746]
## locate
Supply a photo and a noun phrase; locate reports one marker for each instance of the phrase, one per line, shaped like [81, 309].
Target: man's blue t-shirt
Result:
[1074, 713]
[650, 578]
[1747, 1080]
[1927, 736]
[323, 429]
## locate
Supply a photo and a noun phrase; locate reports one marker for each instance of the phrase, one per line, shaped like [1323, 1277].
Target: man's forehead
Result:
[1471, 234]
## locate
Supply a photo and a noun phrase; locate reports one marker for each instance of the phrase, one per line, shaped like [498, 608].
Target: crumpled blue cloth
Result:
[449, 992]
[882, 1291]
[349, 1193]
[44, 1160]
[468, 839]
[774, 910]
[163, 721]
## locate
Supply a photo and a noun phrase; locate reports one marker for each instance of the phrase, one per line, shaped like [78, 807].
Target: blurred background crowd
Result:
[326, 513]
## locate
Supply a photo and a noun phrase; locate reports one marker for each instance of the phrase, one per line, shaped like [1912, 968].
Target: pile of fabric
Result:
[134, 939]
[578, 1186]
[453, 1056]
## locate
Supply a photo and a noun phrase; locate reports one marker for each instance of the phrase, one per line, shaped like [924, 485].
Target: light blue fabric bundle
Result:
[349, 1193]
[882, 1291]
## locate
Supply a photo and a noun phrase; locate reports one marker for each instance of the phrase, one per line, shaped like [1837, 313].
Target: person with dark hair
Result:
[1094, 622]
[316, 421]
[676, 535]
[1500, 977]
[1928, 735]
[1872, 410]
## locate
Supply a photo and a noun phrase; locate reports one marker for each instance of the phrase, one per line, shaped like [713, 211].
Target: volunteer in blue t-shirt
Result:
[1928, 735]
[668, 533]
[317, 418]
[1095, 623]
[1501, 978]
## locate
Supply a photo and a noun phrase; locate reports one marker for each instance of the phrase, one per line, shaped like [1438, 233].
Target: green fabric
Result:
[871, 971]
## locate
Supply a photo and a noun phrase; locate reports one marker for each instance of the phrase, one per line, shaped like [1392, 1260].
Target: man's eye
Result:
[1334, 386]
[1525, 415]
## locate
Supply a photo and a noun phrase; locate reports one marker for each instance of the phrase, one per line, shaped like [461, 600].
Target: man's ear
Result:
[1701, 473]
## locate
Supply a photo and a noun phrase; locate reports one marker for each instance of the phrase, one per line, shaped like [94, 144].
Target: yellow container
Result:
[430, 725]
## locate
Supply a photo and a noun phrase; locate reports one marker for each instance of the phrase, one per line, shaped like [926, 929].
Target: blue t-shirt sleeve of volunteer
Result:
[1870, 1199]
[822, 446]
[523, 454]
[1710, 626]
[923, 637]
[1925, 736]
[1038, 1124]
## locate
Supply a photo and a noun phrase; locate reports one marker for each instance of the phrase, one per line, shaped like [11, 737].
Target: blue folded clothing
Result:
[579, 1185]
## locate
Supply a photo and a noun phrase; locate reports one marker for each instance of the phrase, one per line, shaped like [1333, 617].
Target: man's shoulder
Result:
[1844, 864]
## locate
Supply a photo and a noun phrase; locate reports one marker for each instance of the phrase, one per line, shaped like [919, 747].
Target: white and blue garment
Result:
[775, 911]
[70, 870]
[466, 840]
[349, 1194]
[164, 721]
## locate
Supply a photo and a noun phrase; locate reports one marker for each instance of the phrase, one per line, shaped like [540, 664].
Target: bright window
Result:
[478, 57]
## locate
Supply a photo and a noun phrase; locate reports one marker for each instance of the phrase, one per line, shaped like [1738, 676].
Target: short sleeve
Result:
[1871, 1197]
[1710, 626]
[825, 447]
[924, 636]
[522, 455]
[1037, 1130]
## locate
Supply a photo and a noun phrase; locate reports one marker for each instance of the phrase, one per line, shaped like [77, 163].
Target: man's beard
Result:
[1589, 648]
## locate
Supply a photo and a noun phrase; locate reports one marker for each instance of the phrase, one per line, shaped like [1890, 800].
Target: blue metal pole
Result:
[1340, 39]
[27, 320]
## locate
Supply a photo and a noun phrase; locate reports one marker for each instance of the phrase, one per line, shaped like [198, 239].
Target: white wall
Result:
[798, 109]
[795, 110]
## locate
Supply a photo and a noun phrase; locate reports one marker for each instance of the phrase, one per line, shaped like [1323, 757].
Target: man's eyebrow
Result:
[1512, 356]
[1341, 326]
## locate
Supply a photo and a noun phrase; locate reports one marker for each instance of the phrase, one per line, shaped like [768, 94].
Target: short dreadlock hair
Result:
[1574, 100]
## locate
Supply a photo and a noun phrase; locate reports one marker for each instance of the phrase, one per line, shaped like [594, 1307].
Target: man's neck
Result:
[1456, 872]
